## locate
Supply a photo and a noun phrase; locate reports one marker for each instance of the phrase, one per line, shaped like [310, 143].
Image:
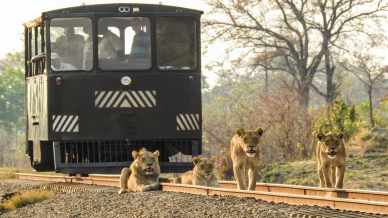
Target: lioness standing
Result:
[244, 149]
[330, 154]
[202, 173]
[144, 170]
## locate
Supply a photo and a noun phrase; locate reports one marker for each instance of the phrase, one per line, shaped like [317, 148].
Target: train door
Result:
[36, 95]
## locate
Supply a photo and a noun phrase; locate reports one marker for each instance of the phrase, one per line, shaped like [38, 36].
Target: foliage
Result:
[11, 92]
[293, 37]
[22, 199]
[371, 73]
[225, 108]
[242, 104]
[361, 173]
[11, 106]
[339, 117]
[7, 173]
[380, 113]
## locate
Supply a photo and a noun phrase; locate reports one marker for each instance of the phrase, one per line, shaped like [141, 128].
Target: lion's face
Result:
[331, 143]
[204, 166]
[251, 141]
[147, 162]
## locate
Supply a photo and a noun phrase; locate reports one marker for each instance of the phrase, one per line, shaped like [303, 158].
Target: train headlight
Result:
[126, 80]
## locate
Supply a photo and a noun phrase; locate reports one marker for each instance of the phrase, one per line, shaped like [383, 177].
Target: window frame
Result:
[197, 41]
[152, 32]
[49, 50]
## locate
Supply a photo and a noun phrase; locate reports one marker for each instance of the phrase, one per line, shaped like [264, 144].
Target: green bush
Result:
[339, 117]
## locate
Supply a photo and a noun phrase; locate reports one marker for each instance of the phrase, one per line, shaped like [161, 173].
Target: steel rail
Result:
[292, 199]
[344, 199]
[299, 190]
[315, 191]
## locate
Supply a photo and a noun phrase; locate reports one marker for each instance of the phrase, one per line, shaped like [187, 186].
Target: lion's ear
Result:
[340, 135]
[240, 132]
[196, 160]
[135, 154]
[156, 153]
[320, 136]
[259, 131]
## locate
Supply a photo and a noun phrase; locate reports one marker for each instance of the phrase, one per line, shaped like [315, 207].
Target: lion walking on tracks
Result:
[143, 174]
[245, 150]
[330, 154]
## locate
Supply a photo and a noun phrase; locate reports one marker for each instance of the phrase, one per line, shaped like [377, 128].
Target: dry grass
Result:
[8, 173]
[25, 198]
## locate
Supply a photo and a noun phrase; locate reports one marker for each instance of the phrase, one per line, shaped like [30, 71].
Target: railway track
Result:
[369, 203]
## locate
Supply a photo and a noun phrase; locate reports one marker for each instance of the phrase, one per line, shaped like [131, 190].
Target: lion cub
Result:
[202, 174]
[245, 149]
[144, 170]
[330, 154]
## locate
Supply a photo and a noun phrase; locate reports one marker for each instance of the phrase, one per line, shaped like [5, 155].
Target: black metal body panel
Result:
[103, 118]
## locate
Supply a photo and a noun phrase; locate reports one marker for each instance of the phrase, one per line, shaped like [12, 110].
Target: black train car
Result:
[103, 80]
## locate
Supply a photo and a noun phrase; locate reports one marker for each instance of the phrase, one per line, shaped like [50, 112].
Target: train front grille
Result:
[113, 151]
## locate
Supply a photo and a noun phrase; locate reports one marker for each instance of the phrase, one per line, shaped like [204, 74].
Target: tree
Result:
[370, 73]
[295, 36]
[11, 91]
[11, 104]
[337, 19]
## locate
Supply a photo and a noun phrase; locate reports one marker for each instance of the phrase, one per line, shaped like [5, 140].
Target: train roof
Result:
[107, 9]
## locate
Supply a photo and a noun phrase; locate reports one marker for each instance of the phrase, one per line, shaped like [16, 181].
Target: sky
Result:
[16, 12]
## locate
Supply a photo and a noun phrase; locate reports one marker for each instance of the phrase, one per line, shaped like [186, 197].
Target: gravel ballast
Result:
[149, 204]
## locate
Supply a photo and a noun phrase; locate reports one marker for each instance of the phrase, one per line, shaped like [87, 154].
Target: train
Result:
[104, 80]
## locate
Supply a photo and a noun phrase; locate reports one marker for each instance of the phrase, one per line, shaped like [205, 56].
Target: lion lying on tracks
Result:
[202, 174]
[330, 154]
[245, 149]
[143, 174]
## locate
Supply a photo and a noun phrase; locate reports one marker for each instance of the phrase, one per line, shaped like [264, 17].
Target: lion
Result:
[202, 174]
[245, 150]
[143, 174]
[330, 154]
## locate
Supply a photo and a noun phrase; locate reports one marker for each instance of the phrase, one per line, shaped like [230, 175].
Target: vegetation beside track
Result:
[8, 173]
[24, 198]
[368, 172]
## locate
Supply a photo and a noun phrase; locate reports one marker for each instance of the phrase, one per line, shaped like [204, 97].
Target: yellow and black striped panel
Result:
[65, 123]
[125, 99]
[188, 122]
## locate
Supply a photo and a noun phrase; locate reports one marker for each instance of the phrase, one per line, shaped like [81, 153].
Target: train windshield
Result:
[71, 44]
[124, 43]
[176, 43]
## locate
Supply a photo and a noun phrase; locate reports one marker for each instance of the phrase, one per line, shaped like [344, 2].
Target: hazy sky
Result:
[14, 13]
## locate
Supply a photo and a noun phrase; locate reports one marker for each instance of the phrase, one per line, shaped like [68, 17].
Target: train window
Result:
[71, 44]
[39, 40]
[33, 35]
[124, 43]
[176, 43]
[42, 35]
